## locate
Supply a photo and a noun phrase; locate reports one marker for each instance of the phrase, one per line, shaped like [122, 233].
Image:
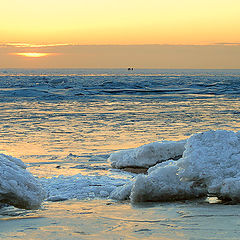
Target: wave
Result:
[144, 91]
[48, 85]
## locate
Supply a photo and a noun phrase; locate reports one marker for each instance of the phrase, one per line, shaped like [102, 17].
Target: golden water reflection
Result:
[68, 169]
[39, 131]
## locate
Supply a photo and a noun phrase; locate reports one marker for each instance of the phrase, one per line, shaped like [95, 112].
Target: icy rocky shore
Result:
[210, 165]
[17, 186]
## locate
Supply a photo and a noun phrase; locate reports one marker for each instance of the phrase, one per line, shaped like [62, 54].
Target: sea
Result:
[64, 124]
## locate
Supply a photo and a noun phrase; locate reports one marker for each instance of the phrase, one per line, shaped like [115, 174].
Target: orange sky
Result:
[122, 56]
[75, 23]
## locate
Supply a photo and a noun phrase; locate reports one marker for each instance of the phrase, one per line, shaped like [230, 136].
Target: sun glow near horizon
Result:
[32, 54]
[111, 33]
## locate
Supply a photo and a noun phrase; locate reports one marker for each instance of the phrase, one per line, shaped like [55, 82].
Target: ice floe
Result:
[147, 155]
[18, 187]
[210, 165]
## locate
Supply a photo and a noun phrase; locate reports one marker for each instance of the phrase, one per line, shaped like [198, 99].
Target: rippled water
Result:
[103, 219]
[67, 122]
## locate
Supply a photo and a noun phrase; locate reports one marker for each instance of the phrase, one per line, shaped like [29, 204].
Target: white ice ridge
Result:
[210, 165]
[18, 187]
[147, 155]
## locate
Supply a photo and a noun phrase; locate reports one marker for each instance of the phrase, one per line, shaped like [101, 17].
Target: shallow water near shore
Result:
[64, 124]
[98, 219]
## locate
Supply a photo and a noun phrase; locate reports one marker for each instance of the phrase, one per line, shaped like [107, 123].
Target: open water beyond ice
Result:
[64, 124]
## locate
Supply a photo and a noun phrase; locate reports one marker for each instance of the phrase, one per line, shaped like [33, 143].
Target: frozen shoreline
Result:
[209, 166]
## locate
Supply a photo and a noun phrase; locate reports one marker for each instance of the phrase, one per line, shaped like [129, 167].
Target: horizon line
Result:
[118, 68]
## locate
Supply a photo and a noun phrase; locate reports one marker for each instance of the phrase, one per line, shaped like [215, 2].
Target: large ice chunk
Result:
[164, 184]
[17, 186]
[161, 184]
[213, 157]
[148, 154]
[210, 165]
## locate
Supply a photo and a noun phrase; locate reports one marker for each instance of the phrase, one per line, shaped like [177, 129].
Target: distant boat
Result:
[130, 69]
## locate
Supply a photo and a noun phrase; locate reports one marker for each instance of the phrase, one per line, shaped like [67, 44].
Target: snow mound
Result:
[210, 165]
[17, 186]
[147, 155]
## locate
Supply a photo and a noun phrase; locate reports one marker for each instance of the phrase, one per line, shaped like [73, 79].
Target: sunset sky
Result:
[110, 33]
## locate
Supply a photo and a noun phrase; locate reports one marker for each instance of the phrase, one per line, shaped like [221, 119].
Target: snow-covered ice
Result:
[147, 155]
[122, 192]
[210, 165]
[164, 184]
[213, 158]
[17, 186]
[161, 184]
[80, 187]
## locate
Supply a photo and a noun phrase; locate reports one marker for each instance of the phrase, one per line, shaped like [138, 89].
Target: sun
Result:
[33, 54]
